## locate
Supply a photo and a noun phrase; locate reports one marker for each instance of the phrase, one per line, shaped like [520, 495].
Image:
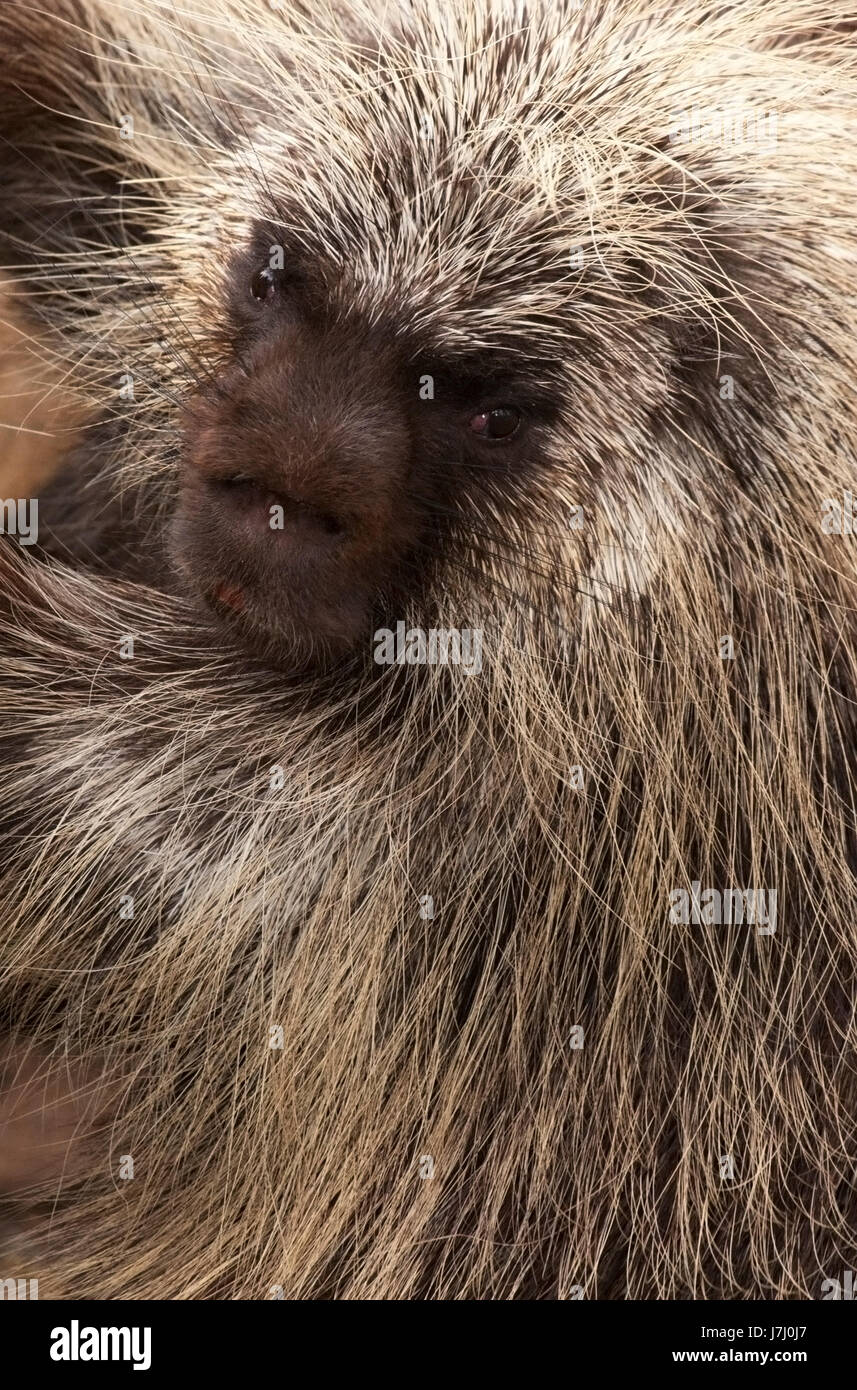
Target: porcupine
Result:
[485, 302]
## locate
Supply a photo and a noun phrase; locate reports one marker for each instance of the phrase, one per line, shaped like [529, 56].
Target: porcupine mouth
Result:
[290, 596]
[228, 596]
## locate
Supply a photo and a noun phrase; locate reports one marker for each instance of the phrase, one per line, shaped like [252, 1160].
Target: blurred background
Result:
[37, 416]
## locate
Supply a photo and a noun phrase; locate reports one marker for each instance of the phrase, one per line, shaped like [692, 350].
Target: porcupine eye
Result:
[500, 423]
[263, 286]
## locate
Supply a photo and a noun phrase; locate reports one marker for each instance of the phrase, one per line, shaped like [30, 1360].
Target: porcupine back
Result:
[510, 180]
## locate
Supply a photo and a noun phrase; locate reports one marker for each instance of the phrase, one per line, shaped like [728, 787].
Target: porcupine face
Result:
[400, 399]
[324, 470]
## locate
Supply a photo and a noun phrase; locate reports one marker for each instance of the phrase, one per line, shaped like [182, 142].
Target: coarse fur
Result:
[490, 192]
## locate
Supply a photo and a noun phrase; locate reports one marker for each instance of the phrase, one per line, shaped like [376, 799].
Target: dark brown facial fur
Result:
[321, 466]
[294, 507]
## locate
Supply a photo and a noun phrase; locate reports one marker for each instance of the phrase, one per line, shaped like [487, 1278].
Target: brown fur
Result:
[279, 829]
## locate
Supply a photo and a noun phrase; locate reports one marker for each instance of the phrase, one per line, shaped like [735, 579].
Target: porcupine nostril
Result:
[280, 511]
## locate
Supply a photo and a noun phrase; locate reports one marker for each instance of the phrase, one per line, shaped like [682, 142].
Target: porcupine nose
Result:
[257, 504]
[294, 512]
[293, 533]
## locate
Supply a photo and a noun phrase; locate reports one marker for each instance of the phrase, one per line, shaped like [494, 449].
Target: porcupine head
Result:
[466, 321]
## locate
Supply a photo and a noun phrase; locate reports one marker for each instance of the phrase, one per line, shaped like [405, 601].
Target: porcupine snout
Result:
[293, 508]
